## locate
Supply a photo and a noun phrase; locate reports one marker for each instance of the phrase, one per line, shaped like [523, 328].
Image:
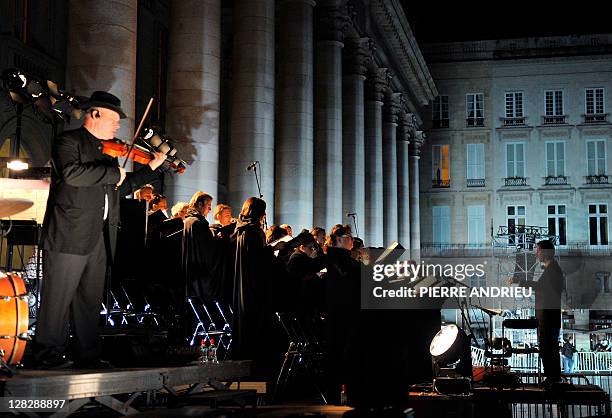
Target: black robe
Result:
[252, 260]
[199, 259]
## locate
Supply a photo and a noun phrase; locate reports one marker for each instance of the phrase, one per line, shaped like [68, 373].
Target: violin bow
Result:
[144, 116]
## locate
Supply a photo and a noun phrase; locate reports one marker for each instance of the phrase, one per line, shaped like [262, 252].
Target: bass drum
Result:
[14, 317]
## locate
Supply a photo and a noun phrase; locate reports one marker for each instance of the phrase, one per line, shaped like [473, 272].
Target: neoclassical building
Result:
[519, 135]
[326, 96]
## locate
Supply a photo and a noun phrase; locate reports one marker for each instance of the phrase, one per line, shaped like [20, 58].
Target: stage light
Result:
[17, 165]
[450, 352]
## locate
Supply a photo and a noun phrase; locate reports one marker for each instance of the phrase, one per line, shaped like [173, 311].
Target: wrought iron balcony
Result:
[475, 182]
[474, 122]
[439, 123]
[554, 120]
[555, 180]
[455, 250]
[518, 121]
[515, 181]
[596, 118]
[440, 183]
[597, 179]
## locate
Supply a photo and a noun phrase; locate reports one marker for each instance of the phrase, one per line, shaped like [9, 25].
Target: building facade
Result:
[520, 135]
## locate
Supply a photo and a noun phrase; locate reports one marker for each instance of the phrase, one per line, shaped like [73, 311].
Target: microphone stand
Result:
[355, 223]
[259, 189]
[257, 179]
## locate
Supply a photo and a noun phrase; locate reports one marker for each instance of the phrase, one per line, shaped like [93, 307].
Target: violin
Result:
[139, 154]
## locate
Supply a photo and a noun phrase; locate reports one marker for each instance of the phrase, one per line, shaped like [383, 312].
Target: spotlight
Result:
[64, 104]
[14, 82]
[17, 165]
[450, 352]
[451, 361]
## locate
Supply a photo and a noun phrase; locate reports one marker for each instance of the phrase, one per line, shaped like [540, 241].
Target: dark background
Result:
[438, 21]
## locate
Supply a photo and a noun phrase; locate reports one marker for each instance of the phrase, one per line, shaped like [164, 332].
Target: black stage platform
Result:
[525, 401]
[80, 387]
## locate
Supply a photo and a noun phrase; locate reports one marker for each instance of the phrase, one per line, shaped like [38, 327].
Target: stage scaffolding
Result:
[514, 255]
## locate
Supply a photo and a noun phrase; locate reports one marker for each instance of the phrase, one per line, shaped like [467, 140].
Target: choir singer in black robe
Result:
[252, 262]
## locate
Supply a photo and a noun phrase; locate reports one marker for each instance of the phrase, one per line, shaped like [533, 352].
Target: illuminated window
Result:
[441, 165]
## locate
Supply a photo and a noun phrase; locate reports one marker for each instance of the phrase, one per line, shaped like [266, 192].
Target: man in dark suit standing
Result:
[79, 233]
[548, 290]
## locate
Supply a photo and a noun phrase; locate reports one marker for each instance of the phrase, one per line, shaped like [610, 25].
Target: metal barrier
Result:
[589, 368]
[584, 361]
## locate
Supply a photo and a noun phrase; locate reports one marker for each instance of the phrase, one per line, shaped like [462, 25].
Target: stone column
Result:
[252, 120]
[415, 217]
[328, 117]
[403, 179]
[101, 52]
[357, 54]
[390, 109]
[294, 142]
[194, 84]
[376, 84]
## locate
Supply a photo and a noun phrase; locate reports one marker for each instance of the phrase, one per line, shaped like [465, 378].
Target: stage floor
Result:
[83, 386]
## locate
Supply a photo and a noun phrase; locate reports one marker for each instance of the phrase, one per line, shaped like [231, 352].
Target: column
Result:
[194, 84]
[294, 117]
[101, 52]
[357, 54]
[376, 84]
[415, 217]
[390, 109]
[328, 117]
[403, 179]
[252, 119]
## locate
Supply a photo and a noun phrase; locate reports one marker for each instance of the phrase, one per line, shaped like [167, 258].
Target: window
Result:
[514, 104]
[594, 101]
[555, 159]
[478, 281]
[440, 112]
[475, 161]
[476, 225]
[441, 224]
[441, 166]
[596, 158]
[557, 222]
[515, 159]
[474, 109]
[598, 224]
[516, 222]
[553, 103]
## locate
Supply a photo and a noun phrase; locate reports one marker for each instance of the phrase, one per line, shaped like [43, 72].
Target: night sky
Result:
[438, 21]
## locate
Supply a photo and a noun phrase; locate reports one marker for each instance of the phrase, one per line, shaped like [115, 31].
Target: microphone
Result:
[351, 214]
[252, 165]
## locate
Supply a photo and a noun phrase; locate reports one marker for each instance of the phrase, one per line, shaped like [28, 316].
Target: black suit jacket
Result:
[81, 176]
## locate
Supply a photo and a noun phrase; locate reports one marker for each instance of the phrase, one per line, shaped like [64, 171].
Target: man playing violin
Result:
[79, 231]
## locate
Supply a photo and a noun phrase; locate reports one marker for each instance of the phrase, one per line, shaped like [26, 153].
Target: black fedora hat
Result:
[105, 100]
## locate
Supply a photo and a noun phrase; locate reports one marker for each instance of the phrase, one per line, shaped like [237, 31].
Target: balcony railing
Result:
[597, 179]
[455, 250]
[555, 180]
[475, 182]
[440, 183]
[474, 122]
[595, 118]
[439, 123]
[517, 121]
[515, 181]
[554, 120]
